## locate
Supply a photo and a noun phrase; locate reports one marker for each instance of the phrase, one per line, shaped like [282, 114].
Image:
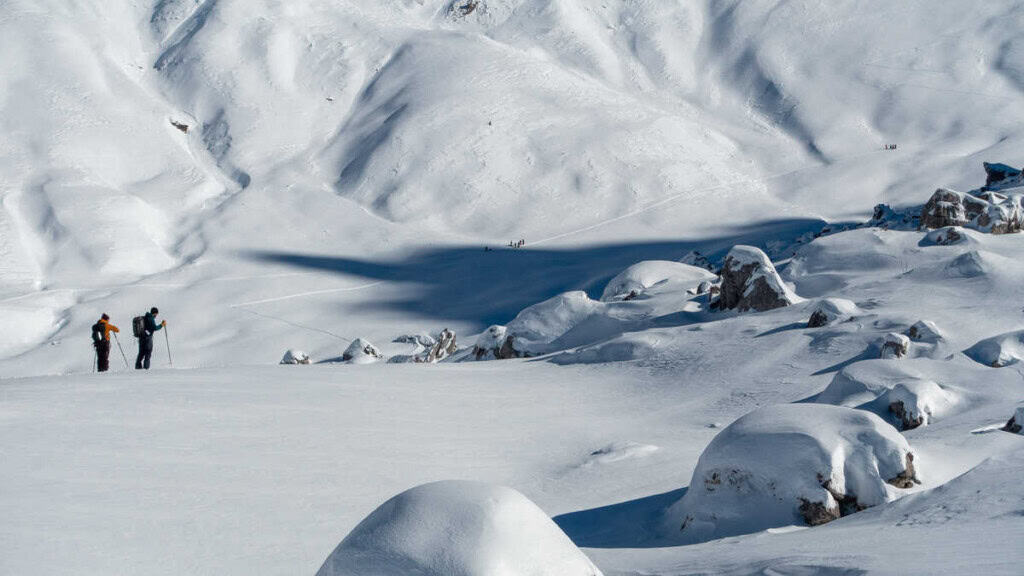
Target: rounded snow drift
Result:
[458, 528]
[998, 351]
[641, 276]
[803, 464]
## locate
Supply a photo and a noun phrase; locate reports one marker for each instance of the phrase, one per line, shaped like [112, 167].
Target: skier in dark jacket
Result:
[146, 339]
[101, 341]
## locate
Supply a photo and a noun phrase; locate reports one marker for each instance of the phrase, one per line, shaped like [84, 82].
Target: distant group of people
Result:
[890, 146]
[143, 328]
[515, 244]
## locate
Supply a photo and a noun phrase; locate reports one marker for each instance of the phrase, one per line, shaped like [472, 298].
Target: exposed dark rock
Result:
[895, 346]
[818, 319]
[996, 173]
[816, 513]
[750, 282]
[444, 347]
[907, 478]
[1013, 425]
[180, 126]
[907, 421]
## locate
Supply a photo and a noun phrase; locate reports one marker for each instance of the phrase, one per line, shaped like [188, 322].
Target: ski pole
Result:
[167, 340]
[95, 358]
[118, 340]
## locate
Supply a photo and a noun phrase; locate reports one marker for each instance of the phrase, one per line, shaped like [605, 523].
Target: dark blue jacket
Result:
[150, 325]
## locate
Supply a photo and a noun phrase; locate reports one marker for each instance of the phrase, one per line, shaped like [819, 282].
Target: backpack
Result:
[138, 326]
[97, 332]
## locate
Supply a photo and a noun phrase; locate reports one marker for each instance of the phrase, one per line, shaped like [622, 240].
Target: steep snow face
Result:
[790, 464]
[643, 275]
[458, 527]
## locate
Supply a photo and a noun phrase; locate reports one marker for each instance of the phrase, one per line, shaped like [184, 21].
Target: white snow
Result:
[357, 169]
[458, 527]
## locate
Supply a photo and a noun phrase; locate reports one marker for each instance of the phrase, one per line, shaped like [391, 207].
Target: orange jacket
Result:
[107, 329]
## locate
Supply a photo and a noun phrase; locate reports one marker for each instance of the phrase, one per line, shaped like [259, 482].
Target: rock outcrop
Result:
[894, 345]
[444, 347]
[750, 282]
[497, 344]
[994, 214]
[831, 310]
[296, 357]
[1016, 422]
[361, 351]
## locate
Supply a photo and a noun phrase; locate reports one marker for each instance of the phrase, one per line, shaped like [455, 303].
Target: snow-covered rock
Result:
[946, 236]
[457, 528]
[295, 357]
[443, 348]
[925, 331]
[362, 351]
[419, 340]
[999, 176]
[497, 344]
[791, 464]
[917, 402]
[830, 310]
[996, 215]
[636, 279]
[695, 258]
[864, 381]
[750, 282]
[1016, 422]
[893, 345]
[999, 351]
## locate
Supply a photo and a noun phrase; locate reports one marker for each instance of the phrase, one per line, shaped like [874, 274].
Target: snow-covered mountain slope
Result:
[279, 175]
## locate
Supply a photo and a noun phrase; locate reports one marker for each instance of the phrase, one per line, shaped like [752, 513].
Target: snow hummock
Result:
[768, 468]
[295, 357]
[362, 351]
[457, 528]
[636, 279]
[831, 310]
[917, 402]
[925, 331]
[999, 351]
[893, 345]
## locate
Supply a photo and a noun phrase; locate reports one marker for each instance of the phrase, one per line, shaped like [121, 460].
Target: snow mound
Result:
[362, 351]
[457, 528]
[999, 351]
[917, 402]
[295, 357]
[831, 310]
[634, 346]
[750, 282]
[864, 381]
[638, 278]
[791, 464]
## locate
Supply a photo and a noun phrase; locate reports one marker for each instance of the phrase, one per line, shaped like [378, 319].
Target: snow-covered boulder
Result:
[750, 282]
[636, 279]
[863, 382]
[994, 215]
[444, 347]
[1016, 422]
[791, 464]
[695, 258]
[296, 357]
[457, 528]
[916, 403]
[925, 331]
[361, 351]
[893, 345]
[418, 340]
[946, 236]
[831, 310]
[497, 344]
[999, 176]
[999, 351]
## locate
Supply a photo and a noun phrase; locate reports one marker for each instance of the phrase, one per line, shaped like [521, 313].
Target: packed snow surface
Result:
[458, 528]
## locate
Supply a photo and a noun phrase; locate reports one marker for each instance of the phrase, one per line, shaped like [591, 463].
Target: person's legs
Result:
[147, 352]
[142, 353]
[103, 356]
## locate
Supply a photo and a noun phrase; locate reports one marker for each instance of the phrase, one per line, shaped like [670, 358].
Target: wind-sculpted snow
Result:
[633, 281]
[457, 528]
[999, 351]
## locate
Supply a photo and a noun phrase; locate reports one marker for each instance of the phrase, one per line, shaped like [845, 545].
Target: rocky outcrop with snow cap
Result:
[638, 278]
[831, 310]
[458, 528]
[295, 357]
[443, 348]
[946, 236]
[995, 213]
[750, 282]
[916, 403]
[1016, 422]
[999, 351]
[695, 258]
[791, 464]
[893, 345]
[362, 351]
[497, 344]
